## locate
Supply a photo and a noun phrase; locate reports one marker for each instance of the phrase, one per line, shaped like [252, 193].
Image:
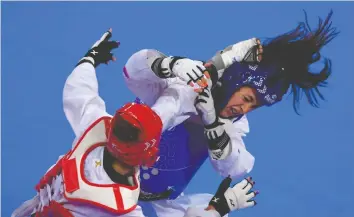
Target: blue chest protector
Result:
[182, 151]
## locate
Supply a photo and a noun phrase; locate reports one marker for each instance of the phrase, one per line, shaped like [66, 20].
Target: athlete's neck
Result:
[122, 168]
[118, 171]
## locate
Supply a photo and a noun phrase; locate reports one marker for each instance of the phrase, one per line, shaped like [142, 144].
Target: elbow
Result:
[135, 63]
[242, 168]
[139, 65]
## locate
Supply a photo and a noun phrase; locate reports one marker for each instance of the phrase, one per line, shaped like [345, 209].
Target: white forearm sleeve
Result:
[173, 104]
[170, 98]
[81, 101]
[239, 162]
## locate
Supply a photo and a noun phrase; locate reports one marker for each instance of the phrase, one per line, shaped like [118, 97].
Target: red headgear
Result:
[143, 151]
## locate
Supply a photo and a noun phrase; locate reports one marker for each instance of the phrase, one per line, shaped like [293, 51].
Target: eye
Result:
[247, 99]
[234, 111]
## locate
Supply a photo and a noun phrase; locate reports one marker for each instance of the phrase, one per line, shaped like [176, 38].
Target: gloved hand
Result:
[218, 140]
[191, 71]
[239, 196]
[204, 104]
[100, 52]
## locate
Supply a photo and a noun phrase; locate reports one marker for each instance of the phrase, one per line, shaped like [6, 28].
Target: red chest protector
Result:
[115, 198]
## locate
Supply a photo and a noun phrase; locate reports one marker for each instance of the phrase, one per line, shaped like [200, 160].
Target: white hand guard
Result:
[219, 146]
[187, 70]
[238, 197]
[204, 104]
[218, 140]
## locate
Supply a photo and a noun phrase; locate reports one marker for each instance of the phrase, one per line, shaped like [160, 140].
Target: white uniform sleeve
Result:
[240, 161]
[81, 101]
[198, 212]
[140, 79]
[170, 98]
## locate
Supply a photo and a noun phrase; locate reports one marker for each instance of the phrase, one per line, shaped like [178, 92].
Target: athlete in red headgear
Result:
[99, 176]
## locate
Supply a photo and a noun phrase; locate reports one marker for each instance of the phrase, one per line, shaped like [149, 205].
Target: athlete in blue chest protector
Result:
[237, 80]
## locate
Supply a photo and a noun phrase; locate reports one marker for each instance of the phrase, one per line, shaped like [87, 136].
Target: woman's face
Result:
[241, 102]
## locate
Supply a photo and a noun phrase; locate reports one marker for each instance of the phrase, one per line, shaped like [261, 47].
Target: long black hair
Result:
[294, 52]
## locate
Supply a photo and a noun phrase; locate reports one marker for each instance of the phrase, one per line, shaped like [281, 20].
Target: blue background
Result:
[304, 164]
